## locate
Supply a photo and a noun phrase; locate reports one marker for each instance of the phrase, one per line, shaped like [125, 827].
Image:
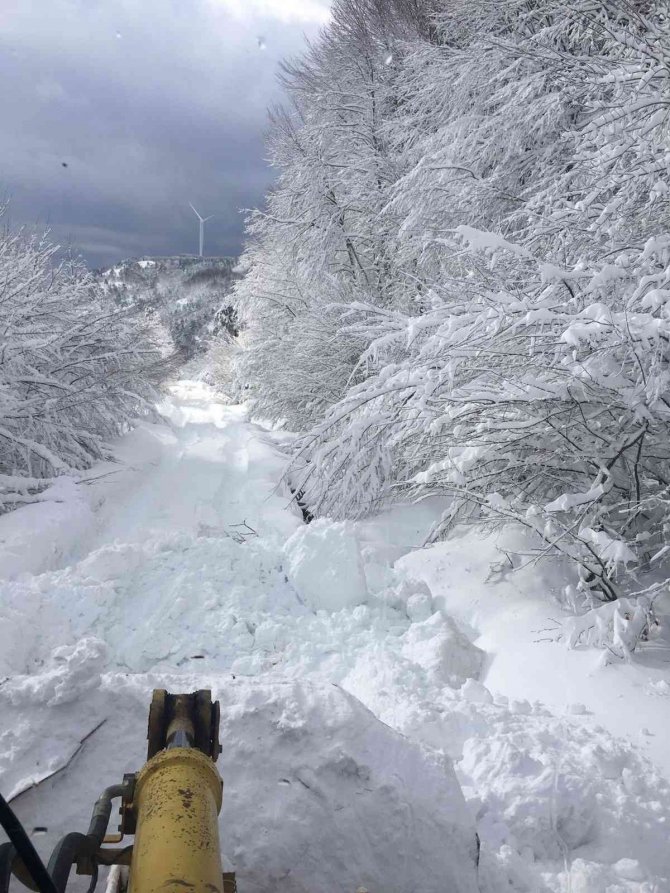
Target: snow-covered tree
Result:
[322, 241]
[514, 355]
[75, 369]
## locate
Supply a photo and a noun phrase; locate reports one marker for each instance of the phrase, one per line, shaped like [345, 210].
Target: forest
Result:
[460, 282]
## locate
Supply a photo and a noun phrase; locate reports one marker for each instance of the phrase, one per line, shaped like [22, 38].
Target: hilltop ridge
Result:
[189, 294]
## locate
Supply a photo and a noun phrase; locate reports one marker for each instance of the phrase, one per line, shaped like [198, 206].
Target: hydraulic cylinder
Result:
[177, 801]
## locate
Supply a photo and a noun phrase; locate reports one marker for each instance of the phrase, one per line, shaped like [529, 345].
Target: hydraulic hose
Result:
[67, 851]
[74, 845]
[102, 811]
[65, 854]
[25, 850]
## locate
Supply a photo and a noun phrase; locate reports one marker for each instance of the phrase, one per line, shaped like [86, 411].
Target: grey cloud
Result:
[172, 109]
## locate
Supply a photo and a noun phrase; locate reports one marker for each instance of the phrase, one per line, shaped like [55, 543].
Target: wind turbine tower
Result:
[202, 220]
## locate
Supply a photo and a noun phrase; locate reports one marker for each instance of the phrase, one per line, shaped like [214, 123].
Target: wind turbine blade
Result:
[195, 212]
[208, 218]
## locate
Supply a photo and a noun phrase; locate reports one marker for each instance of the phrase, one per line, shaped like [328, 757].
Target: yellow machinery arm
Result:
[176, 800]
[171, 806]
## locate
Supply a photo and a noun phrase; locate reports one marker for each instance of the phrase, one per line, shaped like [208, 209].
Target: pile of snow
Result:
[356, 685]
[554, 789]
[437, 645]
[333, 799]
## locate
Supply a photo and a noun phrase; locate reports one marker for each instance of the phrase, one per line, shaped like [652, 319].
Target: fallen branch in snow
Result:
[248, 529]
[552, 630]
[33, 784]
[240, 536]
[100, 477]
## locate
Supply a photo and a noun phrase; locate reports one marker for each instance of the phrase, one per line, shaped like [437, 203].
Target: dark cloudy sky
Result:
[150, 104]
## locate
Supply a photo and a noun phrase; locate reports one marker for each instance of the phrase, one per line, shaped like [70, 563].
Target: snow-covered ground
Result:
[360, 676]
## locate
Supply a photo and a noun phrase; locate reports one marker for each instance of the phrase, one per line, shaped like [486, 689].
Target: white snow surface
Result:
[325, 566]
[362, 678]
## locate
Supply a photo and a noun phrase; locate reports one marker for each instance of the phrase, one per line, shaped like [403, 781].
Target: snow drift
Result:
[182, 582]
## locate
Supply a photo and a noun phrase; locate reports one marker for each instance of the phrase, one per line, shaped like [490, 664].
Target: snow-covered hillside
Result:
[362, 679]
[188, 294]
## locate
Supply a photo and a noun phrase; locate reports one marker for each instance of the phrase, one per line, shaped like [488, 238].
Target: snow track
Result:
[184, 569]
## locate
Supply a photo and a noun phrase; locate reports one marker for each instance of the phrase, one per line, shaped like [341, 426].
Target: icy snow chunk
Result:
[629, 869]
[632, 782]
[419, 606]
[411, 597]
[324, 564]
[576, 709]
[442, 650]
[378, 574]
[662, 687]
[589, 877]
[270, 635]
[247, 665]
[522, 707]
[476, 693]
[73, 670]
[110, 562]
[326, 797]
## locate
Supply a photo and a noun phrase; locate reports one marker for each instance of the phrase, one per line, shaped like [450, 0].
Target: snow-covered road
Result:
[183, 567]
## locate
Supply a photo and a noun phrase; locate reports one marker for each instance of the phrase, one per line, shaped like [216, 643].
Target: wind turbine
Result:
[202, 220]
